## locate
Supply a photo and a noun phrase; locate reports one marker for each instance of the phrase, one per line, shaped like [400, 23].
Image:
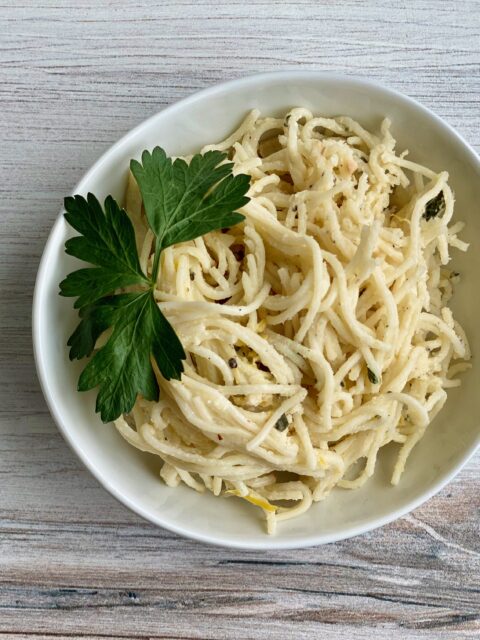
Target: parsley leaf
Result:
[122, 368]
[95, 319]
[108, 241]
[182, 201]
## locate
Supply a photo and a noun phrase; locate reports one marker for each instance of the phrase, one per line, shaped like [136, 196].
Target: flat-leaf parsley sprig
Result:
[182, 202]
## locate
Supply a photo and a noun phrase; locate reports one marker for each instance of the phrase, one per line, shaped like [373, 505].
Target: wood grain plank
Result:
[74, 77]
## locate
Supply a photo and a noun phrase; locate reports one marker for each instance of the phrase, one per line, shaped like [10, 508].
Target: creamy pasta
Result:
[317, 331]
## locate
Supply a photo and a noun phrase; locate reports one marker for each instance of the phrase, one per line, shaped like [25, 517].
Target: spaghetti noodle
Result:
[318, 330]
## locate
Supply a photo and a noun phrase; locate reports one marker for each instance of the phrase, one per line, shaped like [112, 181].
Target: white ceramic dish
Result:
[131, 476]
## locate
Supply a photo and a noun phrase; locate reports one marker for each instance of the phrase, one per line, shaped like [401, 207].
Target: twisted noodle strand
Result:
[317, 331]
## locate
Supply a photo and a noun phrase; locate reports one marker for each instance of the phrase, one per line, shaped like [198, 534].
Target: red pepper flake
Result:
[238, 251]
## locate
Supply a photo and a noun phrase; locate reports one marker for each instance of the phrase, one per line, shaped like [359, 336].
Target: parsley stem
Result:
[156, 262]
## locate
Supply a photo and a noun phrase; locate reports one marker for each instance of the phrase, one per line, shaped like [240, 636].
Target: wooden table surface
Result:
[74, 77]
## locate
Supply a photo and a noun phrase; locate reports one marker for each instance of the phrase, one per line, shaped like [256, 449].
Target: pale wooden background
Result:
[75, 76]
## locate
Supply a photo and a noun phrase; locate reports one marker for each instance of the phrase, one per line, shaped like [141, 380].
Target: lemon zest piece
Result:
[257, 500]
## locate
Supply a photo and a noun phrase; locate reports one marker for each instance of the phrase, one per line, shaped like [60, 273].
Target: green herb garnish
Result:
[182, 202]
[282, 423]
[434, 206]
[372, 376]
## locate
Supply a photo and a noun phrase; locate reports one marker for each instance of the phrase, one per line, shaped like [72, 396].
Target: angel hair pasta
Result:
[318, 330]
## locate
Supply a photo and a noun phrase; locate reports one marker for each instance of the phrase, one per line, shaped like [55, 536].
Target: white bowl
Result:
[131, 476]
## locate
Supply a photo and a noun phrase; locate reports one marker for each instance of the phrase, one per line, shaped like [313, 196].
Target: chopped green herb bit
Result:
[434, 206]
[282, 423]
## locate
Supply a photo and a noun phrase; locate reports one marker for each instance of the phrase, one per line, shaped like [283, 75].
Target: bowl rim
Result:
[270, 543]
